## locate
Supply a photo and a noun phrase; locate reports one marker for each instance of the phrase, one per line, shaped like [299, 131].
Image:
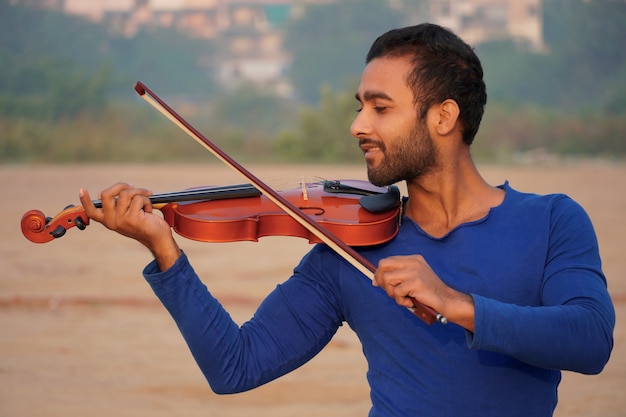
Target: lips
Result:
[370, 147]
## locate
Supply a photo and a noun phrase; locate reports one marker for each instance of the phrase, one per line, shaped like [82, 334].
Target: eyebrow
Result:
[372, 95]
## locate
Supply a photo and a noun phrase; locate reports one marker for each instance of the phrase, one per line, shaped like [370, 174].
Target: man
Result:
[518, 276]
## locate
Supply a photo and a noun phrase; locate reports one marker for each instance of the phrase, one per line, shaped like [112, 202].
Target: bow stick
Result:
[426, 313]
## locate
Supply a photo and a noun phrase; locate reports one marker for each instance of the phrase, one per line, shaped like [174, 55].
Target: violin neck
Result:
[202, 194]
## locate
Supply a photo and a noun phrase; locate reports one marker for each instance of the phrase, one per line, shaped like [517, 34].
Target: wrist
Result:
[166, 254]
[459, 309]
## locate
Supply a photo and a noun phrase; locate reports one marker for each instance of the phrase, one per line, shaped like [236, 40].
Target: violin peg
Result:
[80, 223]
[58, 232]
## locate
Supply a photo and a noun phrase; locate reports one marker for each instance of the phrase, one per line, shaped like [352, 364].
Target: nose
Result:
[359, 125]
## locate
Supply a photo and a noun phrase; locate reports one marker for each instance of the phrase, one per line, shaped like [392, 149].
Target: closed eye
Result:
[377, 109]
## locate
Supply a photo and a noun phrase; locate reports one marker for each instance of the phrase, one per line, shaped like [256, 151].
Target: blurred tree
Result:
[584, 66]
[164, 59]
[252, 108]
[247, 119]
[323, 133]
[590, 38]
[329, 42]
[54, 65]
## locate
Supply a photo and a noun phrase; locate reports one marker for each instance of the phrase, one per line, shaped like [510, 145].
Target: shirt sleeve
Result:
[573, 329]
[289, 328]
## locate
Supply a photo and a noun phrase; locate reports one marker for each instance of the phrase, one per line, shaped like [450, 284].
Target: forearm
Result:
[233, 358]
[576, 336]
[207, 329]
[166, 253]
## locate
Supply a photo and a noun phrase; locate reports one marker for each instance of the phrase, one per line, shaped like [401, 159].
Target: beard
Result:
[408, 158]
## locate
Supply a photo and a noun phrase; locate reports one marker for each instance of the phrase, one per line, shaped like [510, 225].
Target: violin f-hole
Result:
[313, 211]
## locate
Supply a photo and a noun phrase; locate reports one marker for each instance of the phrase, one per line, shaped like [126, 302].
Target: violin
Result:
[357, 212]
[315, 231]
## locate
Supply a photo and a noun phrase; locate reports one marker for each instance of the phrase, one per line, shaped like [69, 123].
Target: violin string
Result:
[196, 193]
[203, 190]
[287, 183]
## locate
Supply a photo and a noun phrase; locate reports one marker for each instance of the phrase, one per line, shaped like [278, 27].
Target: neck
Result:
[451, 195]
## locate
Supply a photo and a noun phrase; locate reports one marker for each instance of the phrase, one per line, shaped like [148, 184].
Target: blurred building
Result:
[477, 21]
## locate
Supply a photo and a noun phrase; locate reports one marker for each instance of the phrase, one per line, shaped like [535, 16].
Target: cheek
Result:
[402, 126]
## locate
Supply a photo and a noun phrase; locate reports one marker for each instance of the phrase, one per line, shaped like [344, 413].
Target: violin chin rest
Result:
[378, 203]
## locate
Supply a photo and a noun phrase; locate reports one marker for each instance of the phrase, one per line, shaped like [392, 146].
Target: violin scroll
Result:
[38, 228]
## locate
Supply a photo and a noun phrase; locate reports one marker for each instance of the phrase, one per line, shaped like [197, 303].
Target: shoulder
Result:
[531, 203]
[564, 219]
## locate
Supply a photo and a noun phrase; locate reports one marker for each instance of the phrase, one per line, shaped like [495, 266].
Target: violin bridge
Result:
[305, 195]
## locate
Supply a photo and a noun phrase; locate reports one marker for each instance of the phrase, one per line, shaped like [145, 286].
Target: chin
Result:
[377, 174]
[378, 180]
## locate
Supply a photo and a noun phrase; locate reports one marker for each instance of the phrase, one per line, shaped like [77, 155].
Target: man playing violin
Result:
[518, 276]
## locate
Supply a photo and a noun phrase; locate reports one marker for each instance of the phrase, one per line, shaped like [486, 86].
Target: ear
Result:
[448, 117]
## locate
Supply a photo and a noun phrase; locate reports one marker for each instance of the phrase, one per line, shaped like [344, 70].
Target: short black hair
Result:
[445, 67]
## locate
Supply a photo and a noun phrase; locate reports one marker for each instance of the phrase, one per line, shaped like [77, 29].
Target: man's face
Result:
[397, 146]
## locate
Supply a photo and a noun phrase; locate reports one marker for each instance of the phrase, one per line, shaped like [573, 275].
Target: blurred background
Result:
[271, 82]
[274, 80]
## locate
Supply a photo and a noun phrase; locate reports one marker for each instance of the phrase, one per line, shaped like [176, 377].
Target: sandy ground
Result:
[82, 335]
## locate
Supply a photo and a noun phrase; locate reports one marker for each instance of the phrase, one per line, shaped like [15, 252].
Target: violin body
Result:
[250, 218]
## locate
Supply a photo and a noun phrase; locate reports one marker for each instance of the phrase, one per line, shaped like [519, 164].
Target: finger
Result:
[109, 196]
[402, 292]
[139, 201]
[386, 279]
[111, 206]
[381, 275]
[388, 274]
[406, 302]
[134, 199]
[90, 210]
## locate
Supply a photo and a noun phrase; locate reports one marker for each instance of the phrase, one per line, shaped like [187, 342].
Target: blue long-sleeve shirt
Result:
[532, 266]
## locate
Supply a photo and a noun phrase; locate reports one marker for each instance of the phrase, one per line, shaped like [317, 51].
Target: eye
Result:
[380, 109]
